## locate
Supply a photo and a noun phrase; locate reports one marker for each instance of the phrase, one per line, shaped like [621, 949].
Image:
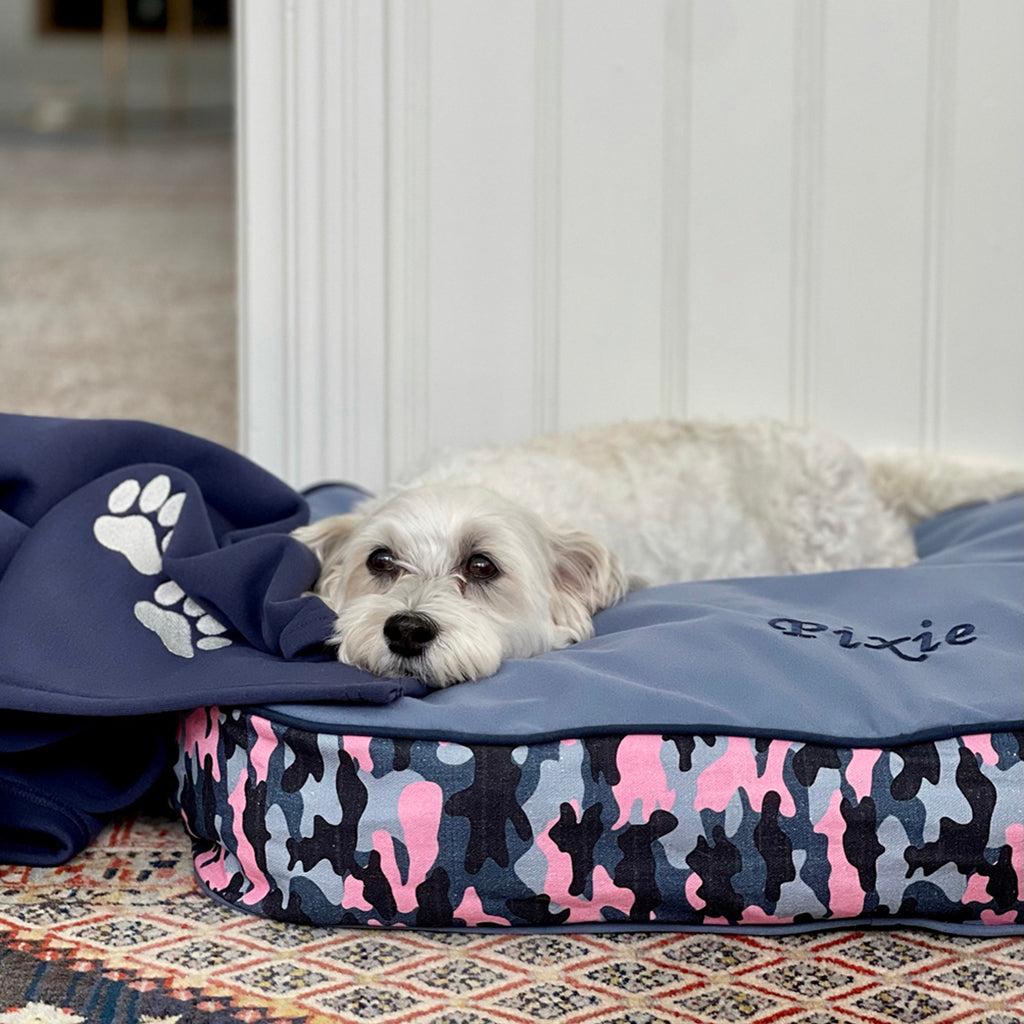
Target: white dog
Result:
[504, 553]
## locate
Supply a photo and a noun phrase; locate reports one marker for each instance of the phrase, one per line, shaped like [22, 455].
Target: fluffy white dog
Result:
[504, 553]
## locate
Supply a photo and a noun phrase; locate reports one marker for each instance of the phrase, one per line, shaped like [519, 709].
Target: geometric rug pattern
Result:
[122, 934]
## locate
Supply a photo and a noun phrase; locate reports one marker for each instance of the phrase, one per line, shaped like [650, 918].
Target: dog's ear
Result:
[326, 537]
[586, 577]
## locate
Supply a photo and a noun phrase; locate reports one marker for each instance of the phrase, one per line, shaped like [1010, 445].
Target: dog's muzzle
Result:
[409, 633]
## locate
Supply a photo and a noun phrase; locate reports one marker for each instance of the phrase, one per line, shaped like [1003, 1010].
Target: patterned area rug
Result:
[122, 934]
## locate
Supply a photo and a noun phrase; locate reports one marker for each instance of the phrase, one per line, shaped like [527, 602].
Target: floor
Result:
[122, 933]
[117, 279]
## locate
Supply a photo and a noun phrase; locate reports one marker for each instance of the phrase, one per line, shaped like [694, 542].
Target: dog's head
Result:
[445, 582]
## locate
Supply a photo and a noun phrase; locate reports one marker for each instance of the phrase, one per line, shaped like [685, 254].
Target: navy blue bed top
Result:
[859, 658]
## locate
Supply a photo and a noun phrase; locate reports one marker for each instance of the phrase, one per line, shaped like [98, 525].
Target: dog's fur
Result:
[570, 523]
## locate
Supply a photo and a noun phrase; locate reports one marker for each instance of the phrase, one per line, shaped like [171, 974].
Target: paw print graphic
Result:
[138, 524]
[181, 623]
[138, 516]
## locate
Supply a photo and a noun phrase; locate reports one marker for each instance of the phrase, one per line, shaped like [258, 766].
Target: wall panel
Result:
[980, 302]
[464, 221]
[873, 257]
[611, 240]
[481, 222]
[740, 208]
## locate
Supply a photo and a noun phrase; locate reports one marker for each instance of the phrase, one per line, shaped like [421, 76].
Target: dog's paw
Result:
[182, 624]
[138, 515]
[567, 636]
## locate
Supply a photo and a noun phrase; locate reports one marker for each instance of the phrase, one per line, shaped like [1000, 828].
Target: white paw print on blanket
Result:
[179, 628]
[133, 533]
[138, 515]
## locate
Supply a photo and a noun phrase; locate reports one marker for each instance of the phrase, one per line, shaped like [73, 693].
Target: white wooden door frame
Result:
[311, 179]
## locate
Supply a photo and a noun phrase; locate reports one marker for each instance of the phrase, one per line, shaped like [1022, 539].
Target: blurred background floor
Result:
[117, 250]
[117, 282]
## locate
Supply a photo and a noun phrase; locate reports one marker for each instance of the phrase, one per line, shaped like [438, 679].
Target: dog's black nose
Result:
[407, 633]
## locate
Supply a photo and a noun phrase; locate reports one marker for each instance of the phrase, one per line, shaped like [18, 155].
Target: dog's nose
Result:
[407, 633]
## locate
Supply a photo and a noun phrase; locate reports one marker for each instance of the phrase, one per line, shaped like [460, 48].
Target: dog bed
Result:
[778, 753]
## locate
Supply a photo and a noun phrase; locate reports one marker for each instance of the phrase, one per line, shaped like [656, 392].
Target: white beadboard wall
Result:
[466, 221]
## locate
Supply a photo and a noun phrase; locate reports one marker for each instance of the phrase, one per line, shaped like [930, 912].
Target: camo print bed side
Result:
[643, 829]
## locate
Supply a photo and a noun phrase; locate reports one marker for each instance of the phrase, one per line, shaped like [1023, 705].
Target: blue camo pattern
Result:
[638, 830]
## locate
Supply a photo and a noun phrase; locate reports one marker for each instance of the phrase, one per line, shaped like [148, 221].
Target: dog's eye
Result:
[382, 562]
[480, 567]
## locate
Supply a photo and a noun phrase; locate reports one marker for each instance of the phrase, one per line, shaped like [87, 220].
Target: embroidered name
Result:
[907, 648]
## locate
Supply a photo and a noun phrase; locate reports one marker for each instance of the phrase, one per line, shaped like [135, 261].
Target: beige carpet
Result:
[117, 282]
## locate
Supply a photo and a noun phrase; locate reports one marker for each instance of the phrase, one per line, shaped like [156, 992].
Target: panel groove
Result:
[292, 399]
[345, 370]
[419, 439]
[547, 215]
[311, 141]
[326, 338]
[339, 167]
[409, 226]
[676, 187]
[388, 157]
[808, 120]
[938, 166]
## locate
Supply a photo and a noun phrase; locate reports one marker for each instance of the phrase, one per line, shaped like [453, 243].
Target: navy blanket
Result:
[142, 570]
